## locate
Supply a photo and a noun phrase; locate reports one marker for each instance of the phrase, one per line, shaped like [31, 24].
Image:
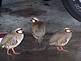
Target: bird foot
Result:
[9, 54]
[64, 50]
[61, 49]
[16, 53]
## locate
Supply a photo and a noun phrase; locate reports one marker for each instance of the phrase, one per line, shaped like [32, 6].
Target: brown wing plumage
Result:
[8, 40]
[58, 39]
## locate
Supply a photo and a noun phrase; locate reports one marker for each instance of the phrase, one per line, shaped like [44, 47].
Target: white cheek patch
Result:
[20, 31]
[33, 20]
[68, 30]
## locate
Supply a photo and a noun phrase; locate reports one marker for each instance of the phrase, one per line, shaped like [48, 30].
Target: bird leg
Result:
[62, 49]
[58, 48]
[14, 51]
[39, 45]
[35, 43]
[8, 52]
[40, 42]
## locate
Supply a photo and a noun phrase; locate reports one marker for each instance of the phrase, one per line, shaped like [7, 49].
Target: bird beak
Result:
[71, 30]
[22, 30]
[31, 20]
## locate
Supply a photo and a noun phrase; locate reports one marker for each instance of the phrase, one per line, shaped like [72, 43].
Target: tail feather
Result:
[39, 40]
[1, 46]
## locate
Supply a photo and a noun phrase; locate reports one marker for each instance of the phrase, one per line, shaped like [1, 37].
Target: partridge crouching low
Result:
[61, 39]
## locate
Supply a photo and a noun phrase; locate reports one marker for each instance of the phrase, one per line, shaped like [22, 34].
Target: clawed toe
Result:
[16, 53]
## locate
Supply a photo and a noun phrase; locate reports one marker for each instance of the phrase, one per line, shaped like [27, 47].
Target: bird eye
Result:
[35, 19]
[19, 31]
[68, 31]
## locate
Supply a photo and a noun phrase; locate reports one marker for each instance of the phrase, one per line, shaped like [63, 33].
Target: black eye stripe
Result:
[19, 29]
[34, 19]
[67, 29]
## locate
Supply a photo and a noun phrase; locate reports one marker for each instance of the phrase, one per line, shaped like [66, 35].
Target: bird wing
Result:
[9, 39]
[62, 40]
[58, 38]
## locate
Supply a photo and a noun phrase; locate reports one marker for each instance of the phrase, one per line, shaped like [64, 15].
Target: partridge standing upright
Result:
[38, 29]
[12, 40]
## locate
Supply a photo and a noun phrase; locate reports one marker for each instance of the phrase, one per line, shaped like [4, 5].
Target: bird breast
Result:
[38, 31]
[68, 37]
[19, 39]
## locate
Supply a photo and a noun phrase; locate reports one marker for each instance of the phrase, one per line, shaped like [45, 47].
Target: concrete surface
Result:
[55, 17]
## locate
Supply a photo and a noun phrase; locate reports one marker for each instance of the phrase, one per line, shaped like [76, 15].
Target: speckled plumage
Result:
[38, 30]
[60, 39]
[12, 40]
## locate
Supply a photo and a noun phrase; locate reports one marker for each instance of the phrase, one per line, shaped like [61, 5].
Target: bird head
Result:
[34, 19]
[68, 30]
[19, 30]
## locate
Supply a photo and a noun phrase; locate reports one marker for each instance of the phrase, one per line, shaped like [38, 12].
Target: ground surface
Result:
[55, 17]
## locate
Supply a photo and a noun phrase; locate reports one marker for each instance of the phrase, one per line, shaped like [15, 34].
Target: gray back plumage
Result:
[60, 38]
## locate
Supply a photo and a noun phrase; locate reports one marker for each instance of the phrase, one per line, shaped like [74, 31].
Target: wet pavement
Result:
[55, 17]
[51, 54]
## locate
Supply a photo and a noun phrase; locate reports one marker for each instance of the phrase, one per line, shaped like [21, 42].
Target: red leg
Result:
[14, 51]
[8, 52]
[58, 48]
[62, 49]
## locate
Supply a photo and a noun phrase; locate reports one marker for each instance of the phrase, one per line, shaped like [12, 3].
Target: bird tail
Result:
[1, 46]
[39, 40]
